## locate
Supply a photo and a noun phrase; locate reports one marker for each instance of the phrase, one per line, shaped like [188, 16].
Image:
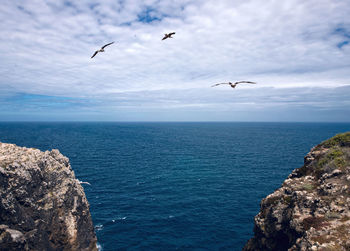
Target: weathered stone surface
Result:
[42, 205]
[311, 211]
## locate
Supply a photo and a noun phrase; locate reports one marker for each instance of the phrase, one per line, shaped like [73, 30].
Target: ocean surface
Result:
[175, 186]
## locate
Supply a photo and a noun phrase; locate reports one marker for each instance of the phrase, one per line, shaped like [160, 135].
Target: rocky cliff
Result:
[42, 205]
[311, 211]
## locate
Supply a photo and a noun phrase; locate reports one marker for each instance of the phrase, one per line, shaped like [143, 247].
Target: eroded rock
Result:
[311, 211]
[42, 204]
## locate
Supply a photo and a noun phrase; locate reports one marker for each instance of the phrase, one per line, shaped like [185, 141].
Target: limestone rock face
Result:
[311, 211]
[42, 205]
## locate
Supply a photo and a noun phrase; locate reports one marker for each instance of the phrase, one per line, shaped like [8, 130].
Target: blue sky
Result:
[298, 52]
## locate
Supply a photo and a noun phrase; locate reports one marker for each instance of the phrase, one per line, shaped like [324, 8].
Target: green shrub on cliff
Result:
[342, 139]
[337, 156]
[334, 156]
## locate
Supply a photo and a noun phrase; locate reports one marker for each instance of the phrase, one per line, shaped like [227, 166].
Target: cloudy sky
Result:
[297, 51]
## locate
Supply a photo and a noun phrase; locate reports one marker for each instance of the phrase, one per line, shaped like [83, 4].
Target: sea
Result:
[177, 185]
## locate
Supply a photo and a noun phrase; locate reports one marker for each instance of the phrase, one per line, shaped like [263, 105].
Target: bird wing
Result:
[172, 33]
[94, 54]
[248, 82]
[219, 84]
[106, 45]
[165, 36]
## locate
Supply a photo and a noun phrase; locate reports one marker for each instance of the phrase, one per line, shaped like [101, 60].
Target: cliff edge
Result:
[42, 205]
[311, 211]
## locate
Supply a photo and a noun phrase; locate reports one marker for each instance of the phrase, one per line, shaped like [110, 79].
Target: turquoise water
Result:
[175, 186]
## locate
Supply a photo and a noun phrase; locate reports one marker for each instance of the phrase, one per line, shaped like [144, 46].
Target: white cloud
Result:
[46, 47]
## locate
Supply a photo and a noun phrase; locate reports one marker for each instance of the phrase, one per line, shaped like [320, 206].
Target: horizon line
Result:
[160, 121]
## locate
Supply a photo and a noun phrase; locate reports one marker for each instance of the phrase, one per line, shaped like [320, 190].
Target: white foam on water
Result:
[119, 219]
[98, 227]
[99, 247]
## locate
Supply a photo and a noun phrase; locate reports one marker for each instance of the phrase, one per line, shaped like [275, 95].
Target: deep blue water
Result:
[175, 186]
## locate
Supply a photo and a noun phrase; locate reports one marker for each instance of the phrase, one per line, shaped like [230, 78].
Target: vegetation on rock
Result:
[311, 211]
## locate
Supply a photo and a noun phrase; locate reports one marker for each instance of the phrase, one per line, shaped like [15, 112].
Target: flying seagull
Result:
[233, 85]
[102, 49]
[84, 182]
[169, 35]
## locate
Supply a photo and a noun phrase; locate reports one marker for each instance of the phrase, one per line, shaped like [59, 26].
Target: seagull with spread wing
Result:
[83, 182]
[233, 85]
[169, 35]
[102, 49]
